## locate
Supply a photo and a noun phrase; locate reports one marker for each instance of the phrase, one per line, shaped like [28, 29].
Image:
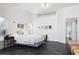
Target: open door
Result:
[71, 29]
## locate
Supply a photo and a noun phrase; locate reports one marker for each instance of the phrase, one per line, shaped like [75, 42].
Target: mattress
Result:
[29, 39]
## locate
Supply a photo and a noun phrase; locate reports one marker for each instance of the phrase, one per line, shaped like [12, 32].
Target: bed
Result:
[30, 40]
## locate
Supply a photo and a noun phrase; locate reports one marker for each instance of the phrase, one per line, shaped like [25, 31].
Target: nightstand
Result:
[8, 41]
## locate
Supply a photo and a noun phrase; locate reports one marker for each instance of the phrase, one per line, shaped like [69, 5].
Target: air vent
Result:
[46, 14]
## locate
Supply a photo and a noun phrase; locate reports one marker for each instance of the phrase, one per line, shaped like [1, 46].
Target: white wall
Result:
[62, 15]
[12, 13]
[46, 20]
[57, 33]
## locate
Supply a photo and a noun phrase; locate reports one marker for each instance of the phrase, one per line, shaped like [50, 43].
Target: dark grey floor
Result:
[48, 48]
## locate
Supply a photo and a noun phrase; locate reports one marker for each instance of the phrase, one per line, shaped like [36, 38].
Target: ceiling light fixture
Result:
[44, 5]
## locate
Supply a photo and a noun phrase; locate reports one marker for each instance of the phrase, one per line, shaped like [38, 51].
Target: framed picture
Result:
[20, 26]
[45, 27]
[50, 27]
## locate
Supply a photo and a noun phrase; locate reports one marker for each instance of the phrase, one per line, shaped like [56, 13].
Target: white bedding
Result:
[29, 39]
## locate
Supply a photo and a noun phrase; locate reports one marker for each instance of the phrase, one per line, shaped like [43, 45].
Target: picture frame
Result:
[45, 27]
[20, 26]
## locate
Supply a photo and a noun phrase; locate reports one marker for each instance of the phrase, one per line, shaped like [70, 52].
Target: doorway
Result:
[71, 29]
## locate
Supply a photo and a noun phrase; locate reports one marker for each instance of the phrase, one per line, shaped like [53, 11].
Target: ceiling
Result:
[36, 8]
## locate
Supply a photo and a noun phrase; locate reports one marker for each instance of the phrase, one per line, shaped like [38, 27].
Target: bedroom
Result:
[42, 24]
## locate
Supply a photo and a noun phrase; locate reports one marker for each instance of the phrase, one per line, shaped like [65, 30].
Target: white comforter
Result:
[29, 39]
